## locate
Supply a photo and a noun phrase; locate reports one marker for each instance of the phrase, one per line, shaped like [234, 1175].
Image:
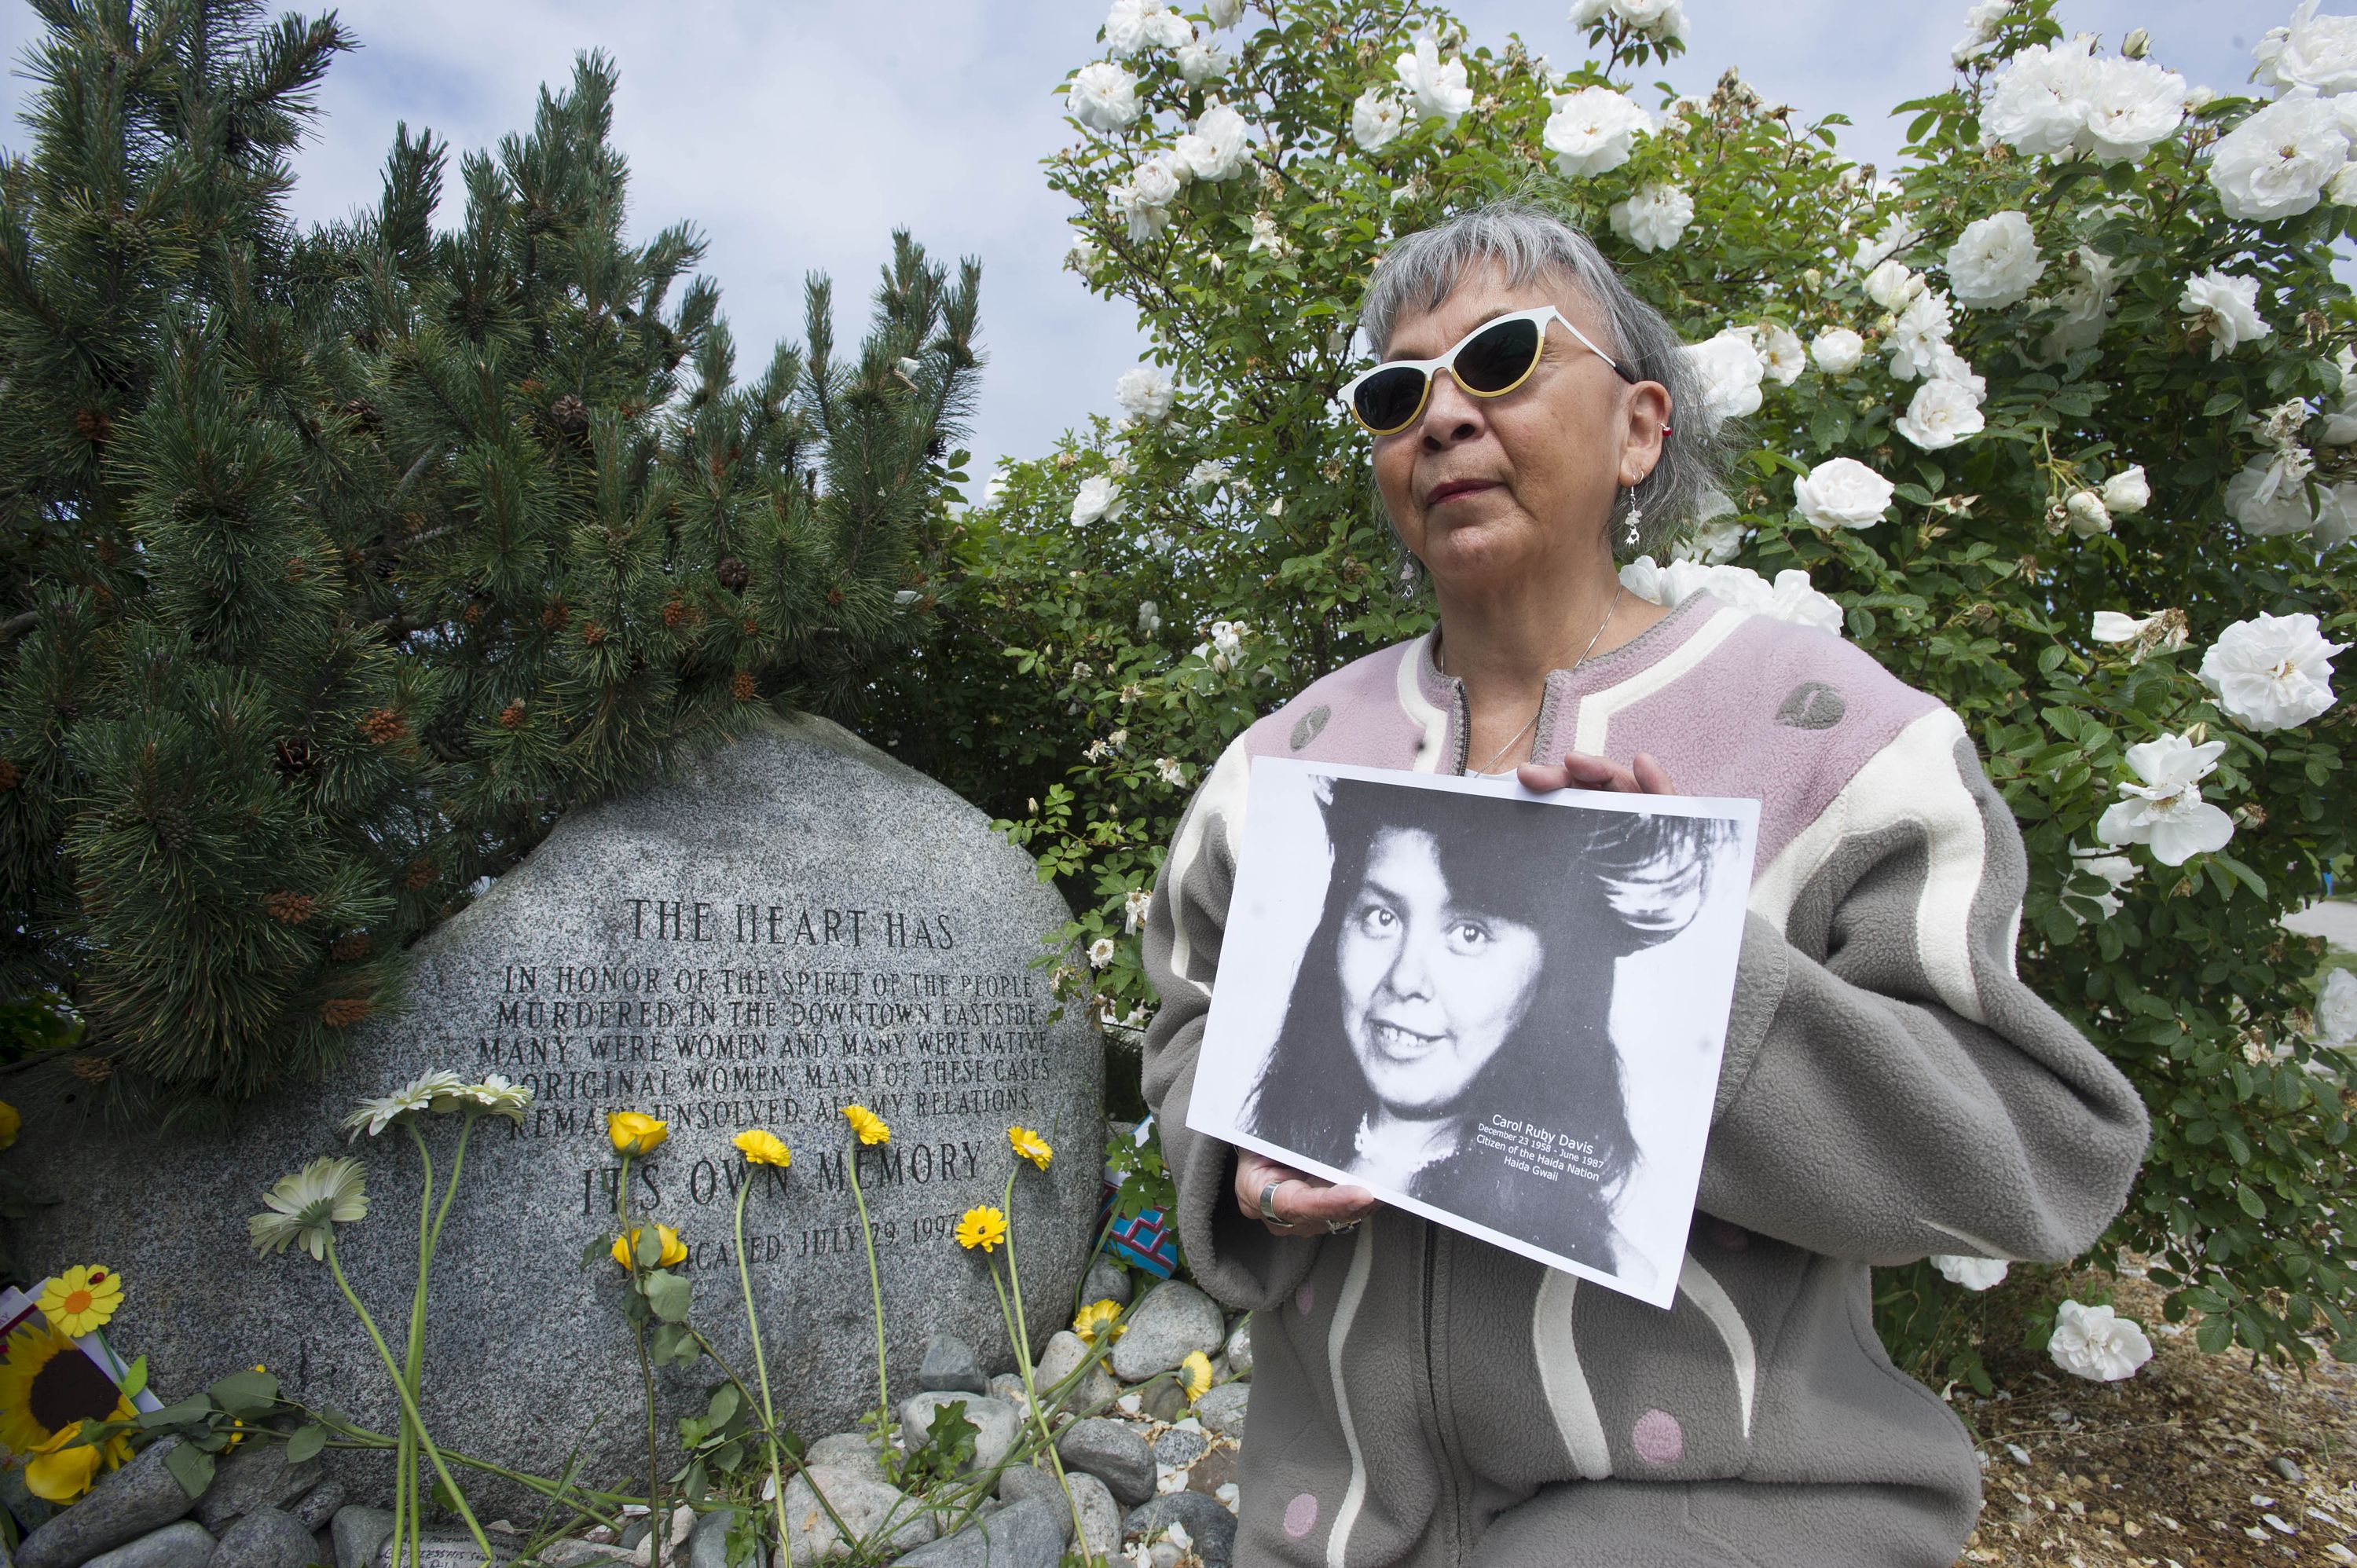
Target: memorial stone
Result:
[795, 924]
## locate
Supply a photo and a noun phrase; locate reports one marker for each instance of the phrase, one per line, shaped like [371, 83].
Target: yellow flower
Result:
[1195, 1376]
[675, 1250]
[1030, 1145]
[635, 1133]
[984, 1228]
[9, 1123]
[49, 1388]
[1097, 1318]
[762, 1148]
[83, 1298]
[867, 1124]
[57, 1474]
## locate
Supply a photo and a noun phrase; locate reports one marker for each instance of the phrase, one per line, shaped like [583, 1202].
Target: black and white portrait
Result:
[1501, 1010]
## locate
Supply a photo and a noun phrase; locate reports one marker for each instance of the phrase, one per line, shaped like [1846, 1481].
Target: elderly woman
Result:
[1889, 1089]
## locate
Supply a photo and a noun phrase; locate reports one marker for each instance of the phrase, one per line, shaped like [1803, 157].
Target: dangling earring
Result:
[1629, 526]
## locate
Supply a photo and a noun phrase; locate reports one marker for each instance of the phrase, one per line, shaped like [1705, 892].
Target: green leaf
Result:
[188, 1412]
[191, 1467]
[134, 1379]
[668, 1295]
[724, 1403]
[2214, 1335]
[246, 1395]
[306, 1443]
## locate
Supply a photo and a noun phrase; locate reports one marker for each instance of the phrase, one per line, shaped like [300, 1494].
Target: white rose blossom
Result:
[1377, 118]
[1225, 13]
[1208, 473]
[2085, 303]
[2278, 162]
[1993, 262]
[2340, 419]
[1973, 1273]
[1791, 597]
[2127, 491]
[1654, 218]
[2039, 104]
[1133, 25]
[2271, 672]
[1842, 492]
[1147, 392]
[1100, 952]
[2227, 306]
[2131, 107]
[1587, 13]
[1149, 618]
[2336, 1010]
[1102, 96]
[1891, 285]
[1731, 369]
[1167, 770]
[2096, 1343]
[2269, 496]
[2312, 52]
[1083, 251]
[1435, 90]
[1143, 201]
[1941, 412]
[2117, 626]
[1918, 341]
[1980, 31]
[1219, 146]
[1135, 904]
[1782, 354]
[1097, 500]
[1593, 130]
[2167, 810]
[1716, 535]
[2084, 510]
[1895, 235]
[1265, 236]
[1663, 19]
[2116, 871]
[1837, 351]
[1203, 60]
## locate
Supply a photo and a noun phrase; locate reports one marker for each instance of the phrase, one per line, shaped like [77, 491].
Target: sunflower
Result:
[985, 1227]
[47, 1387]
[1098, 1320]
[81, 1299]
[1030, 1145]
[867, 1124]
[760, 1148]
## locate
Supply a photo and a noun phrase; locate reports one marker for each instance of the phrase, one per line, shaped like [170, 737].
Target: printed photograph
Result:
[1502, 1011]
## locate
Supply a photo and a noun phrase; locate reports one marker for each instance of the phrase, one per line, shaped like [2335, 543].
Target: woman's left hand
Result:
[1643, 776]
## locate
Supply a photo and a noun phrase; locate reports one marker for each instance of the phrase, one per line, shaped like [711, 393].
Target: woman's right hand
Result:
[1306, 1204]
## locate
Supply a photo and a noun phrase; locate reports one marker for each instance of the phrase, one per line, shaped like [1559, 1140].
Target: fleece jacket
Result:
[1889, 1090]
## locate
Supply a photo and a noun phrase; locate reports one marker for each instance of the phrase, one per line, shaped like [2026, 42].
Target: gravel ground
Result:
[2196, 1462]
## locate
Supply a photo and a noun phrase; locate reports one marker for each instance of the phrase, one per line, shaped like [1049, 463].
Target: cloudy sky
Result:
[798, 133]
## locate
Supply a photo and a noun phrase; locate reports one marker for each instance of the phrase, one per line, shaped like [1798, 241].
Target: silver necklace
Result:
[1575, 663]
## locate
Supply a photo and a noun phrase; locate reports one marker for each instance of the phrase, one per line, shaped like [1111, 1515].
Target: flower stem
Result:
[408, 1406]
[1021, 1334]
[408, 1506]
[761, 1365]
[656, 1517]
[876, 1291]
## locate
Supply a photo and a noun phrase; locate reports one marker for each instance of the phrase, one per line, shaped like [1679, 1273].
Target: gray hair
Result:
[1529, 243]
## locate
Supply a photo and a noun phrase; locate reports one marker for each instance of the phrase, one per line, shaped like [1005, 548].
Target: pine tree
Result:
[340, 564]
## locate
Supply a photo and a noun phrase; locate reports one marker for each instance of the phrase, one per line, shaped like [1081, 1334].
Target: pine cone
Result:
[92, 1069]
[10, 774]
[350, 947]
[674, 612]
[365, 411]
[171, 824]
[421, 873]
[834, 596]
[592, 634]
[288, 908]
[733, 574]
[383, 727]
[94, 425]
[511, 716]
[344, 1010]
[741, 688]
[106, 552]
[473, 615]
[571, 415]
[294, 759]
[556, 616]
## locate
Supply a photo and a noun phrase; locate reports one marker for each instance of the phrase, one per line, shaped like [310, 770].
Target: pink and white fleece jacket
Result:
[1891, 1089]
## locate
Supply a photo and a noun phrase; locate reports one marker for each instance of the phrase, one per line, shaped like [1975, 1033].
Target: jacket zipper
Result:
[1453, 1482]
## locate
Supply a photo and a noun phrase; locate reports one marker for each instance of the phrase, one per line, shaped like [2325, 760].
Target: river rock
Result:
[999, 1424]
[1221, 1410]
[266, 1538]
[1212, 1526]
[359, 1534]
[1066, 1352]
[950, 1365]
[1181, 1446]
[1114, 1453]
[707, 1547]
[1029, 1534]
[794, 923]
[862, 1504]
[1106, 1280]
[183, 1545]
[847, 1451]
[317, 1506]
[140, 1496]
[256, 1475]
[1100, 1515]
[1238, 1353]
[1173, 1322]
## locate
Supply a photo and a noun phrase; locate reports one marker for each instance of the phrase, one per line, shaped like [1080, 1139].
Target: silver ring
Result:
[1268, 1205]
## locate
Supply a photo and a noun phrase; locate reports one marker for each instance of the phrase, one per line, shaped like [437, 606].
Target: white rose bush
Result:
[2053, 418]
